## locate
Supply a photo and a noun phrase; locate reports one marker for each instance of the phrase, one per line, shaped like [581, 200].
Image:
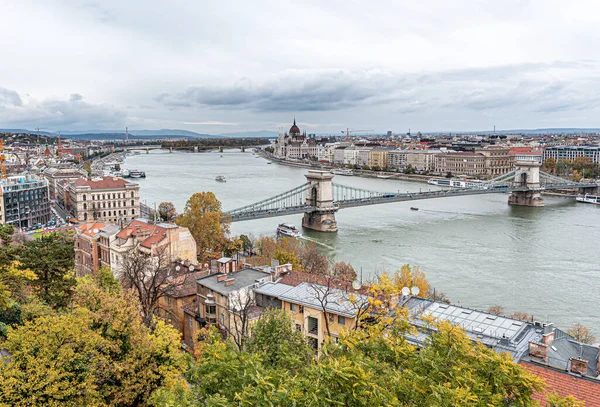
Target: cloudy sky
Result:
[228, 66]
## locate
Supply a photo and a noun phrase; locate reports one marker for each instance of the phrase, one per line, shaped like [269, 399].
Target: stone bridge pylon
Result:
[527, 176]
[320, 196]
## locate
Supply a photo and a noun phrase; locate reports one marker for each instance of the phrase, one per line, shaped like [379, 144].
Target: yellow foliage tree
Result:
[204, 218]
[12, 281]
[410, 277]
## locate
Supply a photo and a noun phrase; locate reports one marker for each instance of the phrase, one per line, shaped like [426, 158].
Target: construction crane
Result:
[348, 131]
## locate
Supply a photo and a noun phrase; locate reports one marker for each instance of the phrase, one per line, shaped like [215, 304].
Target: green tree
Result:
[204, 218]
[13, 278]
[280, 346]
[51, 258]
[87, 167]
[549, 165]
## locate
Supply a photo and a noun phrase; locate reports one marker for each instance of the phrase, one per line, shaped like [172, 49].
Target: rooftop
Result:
[309, 294]
[102, 183]
[235, 281]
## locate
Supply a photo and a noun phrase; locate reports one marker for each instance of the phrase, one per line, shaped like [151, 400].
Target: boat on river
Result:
[220, 178]
[342, 171]
[287, 229]
[137, 174]
[587, 198]
[456, 183]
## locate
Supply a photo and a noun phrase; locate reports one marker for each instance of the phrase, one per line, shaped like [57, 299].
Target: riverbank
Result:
[357, 173]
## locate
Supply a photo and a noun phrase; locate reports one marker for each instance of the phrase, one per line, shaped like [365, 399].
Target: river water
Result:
[477, 249]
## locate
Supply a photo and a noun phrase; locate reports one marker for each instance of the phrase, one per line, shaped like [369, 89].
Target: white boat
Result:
[268, 162]
[456, 183]
[384, 176]
[587, 198]
[220, 178]
[287, 229]
[137, 174]
[342, 171]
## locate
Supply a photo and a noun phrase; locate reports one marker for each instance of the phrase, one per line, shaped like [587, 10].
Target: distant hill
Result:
[251, 134]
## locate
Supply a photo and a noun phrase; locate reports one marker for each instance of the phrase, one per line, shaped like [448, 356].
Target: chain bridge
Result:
[320, 198]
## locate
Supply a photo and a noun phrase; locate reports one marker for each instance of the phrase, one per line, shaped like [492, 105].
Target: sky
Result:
[231, 66]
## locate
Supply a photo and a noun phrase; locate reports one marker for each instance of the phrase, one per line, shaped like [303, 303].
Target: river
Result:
[477, 249]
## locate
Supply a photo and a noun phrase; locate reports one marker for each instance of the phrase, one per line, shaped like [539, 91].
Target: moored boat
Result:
[137, 174]
[456, 183]
[342, 171]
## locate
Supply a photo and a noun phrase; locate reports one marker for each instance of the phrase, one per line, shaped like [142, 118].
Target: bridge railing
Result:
[292, 198]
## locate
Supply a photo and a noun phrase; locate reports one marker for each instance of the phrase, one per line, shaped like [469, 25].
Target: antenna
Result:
[405, 291]
[126, 133]
[415, 290]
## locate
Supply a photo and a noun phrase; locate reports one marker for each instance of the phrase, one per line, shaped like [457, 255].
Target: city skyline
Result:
[243, 67]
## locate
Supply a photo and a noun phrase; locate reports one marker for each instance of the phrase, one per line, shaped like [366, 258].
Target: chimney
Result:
[538, 350]
[579, 366]
[222, 277]
[548, 335]
[229, 281]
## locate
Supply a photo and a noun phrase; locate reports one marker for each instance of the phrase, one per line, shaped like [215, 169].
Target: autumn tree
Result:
[411, 277]
[549, 165]
[343, 271]
[98, 354]
[496, 309]
[582, 333]
[167, 212]
[204, 218]
[149, 278]
[312, 260]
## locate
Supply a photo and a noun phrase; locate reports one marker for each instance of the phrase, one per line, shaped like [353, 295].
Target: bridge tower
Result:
[320, 196]
[528, 177]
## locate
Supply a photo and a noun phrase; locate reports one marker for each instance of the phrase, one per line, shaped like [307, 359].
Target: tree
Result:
[149, 278]
[523, 316]
[411, 277]
[87, 167]
[242, 306]
[343, 271]
[549, 165]
[51, 258]
[247, 244]
[496, 309]
[100, 354]
[280, 346]
[312, 260]
[167, 212]
[202, 215]
[581, 333]
[13, 278]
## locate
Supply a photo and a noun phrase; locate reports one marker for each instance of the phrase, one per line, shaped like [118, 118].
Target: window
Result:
[133, 211]
[84, 197]
[132, 194]
[313, 325]
[132, 204]
[84, 207]
[298, 327]
[341, 320]
[293, 307]
[301, 309]
[331, 317]
[211, 309]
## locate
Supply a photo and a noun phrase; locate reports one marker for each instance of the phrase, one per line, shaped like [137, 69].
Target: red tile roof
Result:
[151, 233]
[103, 183]
[87, 229]
[565, 384]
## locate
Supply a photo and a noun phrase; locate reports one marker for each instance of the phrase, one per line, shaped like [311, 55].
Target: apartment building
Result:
[498, 160]
[378, 157]
[221, 299]
[100, 244]
[572, 152]
[54, 175]
[422, 160]
[105, 199]
[24, 202]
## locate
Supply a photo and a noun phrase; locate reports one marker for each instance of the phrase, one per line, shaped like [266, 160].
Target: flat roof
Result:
[242, 279]
[308, 294]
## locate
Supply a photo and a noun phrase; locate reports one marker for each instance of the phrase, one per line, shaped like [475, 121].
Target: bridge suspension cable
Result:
[295, 197]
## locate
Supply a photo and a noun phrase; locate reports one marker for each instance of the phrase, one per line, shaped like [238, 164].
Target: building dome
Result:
[294, 129]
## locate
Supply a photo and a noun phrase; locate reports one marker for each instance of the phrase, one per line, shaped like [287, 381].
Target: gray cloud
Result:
[9, 98]
[73, 113]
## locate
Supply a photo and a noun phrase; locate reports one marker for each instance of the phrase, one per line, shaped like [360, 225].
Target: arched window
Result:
[103, 196]
[120, 213]
[132, 194]
[113, 196]
[133, 211]
[84, 207]
[85, 216]
[104, 214]
[132, 204]
[84, 197]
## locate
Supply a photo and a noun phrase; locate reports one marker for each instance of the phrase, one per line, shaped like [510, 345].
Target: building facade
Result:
[105, 199]
[54, 175]
[25, 202]
[295, 145]
[572, 152]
